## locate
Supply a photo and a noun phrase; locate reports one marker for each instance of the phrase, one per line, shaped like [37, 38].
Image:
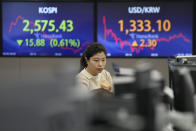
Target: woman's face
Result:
[96, 63]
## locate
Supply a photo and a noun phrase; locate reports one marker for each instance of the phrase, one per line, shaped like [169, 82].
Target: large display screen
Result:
[146, 29]
[46, 28]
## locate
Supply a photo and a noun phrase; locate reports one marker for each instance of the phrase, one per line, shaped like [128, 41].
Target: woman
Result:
[93, 76]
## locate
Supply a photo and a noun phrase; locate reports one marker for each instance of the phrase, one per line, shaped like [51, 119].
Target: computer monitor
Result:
[43, 28]
[182, 83]
[124, 86]
[146, 29]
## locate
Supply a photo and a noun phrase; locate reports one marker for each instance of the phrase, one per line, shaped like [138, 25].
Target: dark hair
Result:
[90, 51]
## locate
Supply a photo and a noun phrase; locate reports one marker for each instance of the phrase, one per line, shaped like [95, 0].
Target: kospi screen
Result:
[47, 28]
[145, 29]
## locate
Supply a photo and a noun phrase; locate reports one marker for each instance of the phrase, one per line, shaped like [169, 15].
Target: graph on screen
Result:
[145, 29]
[46, 29]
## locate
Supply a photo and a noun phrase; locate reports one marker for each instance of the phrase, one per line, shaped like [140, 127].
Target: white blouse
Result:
[86, 80]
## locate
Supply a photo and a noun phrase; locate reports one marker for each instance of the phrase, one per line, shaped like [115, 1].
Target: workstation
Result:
[150, 56]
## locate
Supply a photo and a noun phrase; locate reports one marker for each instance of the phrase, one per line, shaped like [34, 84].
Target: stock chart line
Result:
[117, 39]
[76, 50]
[15, 23]
[46, 36]
[31, 22]
[180, 35]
